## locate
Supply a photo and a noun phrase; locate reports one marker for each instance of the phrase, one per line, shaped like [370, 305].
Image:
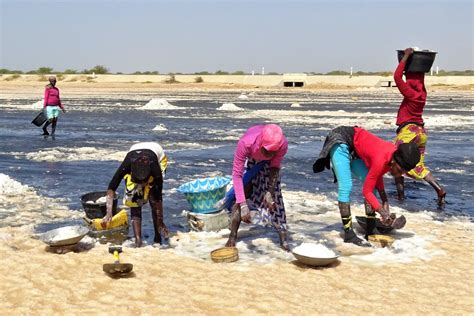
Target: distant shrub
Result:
[12, 77]
[148, 82]
[99, 69]
[338, 73]
[221, 72]
[60, 77]
[202, 73]
[273, 73]
[42, 78]
[70, 72]
[44, 70]
[171, 79]
[198, 79]
[73, 79]
[238, 73]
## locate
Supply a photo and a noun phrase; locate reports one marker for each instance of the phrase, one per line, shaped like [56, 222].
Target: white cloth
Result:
[155, 147]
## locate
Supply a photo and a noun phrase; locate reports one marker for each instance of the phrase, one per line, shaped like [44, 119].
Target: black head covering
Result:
[140, 168]
[407, 156]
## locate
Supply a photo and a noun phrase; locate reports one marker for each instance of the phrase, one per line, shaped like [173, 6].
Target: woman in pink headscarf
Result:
[259, 154]
[411, 128]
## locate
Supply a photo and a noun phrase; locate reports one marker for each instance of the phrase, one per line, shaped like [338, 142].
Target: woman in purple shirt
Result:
[259, 152]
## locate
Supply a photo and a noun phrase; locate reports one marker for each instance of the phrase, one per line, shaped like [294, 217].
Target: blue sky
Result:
[191, 36]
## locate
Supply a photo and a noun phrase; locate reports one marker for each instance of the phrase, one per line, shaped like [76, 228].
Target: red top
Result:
[51, 97]
[376, 153]
[414, 95]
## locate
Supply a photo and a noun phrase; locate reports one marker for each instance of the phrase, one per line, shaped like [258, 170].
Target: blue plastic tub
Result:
[203, 194]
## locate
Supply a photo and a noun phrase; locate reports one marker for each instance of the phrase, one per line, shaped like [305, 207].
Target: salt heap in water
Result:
[229, 107]
[160, 127]
[159, 104]
[242, 97]
[295, 105]
[9, 187]
[314, 251]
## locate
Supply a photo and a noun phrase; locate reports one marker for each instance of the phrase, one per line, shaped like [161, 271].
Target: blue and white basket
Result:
[203, 194]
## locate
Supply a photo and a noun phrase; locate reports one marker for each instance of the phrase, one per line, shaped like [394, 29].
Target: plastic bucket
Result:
[419, 61]
[97, 210]
[203, 194]
[39, 119]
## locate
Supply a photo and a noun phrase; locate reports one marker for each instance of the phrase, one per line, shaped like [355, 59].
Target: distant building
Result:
[294, 80]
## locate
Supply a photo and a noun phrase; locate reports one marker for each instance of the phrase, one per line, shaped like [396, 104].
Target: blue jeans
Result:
[344, 166]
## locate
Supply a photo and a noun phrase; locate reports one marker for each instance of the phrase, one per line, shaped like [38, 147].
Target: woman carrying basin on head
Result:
[256, 180]
[411, 128]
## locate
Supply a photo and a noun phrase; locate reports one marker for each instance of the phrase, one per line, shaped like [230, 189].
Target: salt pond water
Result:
[199, 133]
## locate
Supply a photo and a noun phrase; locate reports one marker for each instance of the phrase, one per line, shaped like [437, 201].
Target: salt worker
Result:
[143, 170]
[354, 150]
[259, 155]
[52, 104]
[411, 128]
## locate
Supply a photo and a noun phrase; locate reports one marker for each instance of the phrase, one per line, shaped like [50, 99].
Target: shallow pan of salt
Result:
[64, 236]
[316, 255]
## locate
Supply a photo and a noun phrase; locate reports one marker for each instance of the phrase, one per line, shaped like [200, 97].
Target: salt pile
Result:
[37, 104]
[229, 107]
[159, 104]
[8, 186]
[66, 233]
[242, 97]
[295, 105]
[314, 251]
[160, 127]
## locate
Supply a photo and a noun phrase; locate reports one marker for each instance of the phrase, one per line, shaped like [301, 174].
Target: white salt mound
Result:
[8, 186]
[229, 107]
[159, 104]
[242, 97]
[295, 105]
[37, 104]
[314, 251]
[160, 127]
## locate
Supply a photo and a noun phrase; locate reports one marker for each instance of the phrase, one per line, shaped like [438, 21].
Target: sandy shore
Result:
[35, 281]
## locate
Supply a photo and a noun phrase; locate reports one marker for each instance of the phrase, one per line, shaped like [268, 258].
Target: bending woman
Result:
[354, 150]
[259, 153]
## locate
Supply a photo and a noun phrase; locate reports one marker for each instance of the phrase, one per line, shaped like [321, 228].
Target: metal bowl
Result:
[64, 236]
[315, 262]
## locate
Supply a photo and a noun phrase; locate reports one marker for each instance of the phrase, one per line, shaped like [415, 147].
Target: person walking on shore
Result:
[411, 127]
[52, 104]
[259, 153]
[142, 169]
[350, 150]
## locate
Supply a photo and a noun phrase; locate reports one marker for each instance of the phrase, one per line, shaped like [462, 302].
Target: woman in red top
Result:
[353, 150]
[52, 104]
[411, 126]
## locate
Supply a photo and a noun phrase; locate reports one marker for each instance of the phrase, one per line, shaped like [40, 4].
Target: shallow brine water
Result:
[199, 132]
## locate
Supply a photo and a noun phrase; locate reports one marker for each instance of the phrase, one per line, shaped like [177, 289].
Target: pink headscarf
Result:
[272, 137]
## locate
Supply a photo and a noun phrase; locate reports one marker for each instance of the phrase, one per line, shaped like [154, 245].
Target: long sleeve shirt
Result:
[249, 146]
[376, 153]
[51, 97]
[411, 109]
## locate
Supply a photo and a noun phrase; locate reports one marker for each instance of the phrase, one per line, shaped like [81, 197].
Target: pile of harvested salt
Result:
[314, 251]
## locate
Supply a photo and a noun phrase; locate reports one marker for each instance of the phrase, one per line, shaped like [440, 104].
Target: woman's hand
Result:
[245, 213]
[408, 51]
